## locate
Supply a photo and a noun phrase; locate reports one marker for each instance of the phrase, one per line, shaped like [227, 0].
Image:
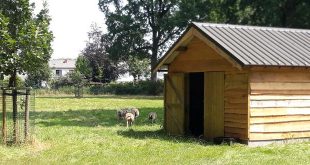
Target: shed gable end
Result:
[199, 57]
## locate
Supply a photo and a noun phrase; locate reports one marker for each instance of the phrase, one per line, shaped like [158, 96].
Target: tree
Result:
[102, 67]
[280, 13]
[140, 27]
[35, 78]
[82, 66]
[138, 67]
[26, 40]
[25, 43]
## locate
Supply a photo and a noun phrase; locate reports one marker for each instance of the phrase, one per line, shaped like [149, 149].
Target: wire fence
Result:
[18, 115]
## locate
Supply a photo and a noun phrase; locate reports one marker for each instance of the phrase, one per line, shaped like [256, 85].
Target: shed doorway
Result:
[196, 104]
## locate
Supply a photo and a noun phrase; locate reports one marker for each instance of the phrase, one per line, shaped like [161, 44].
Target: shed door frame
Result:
[214, 104]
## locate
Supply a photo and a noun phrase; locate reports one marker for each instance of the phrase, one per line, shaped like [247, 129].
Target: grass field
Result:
[85, 131]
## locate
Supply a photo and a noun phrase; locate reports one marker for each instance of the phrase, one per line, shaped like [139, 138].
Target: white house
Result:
[61, 67]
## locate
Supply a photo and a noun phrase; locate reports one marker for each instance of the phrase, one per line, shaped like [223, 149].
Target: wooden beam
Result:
[181, 49]
[172, 53]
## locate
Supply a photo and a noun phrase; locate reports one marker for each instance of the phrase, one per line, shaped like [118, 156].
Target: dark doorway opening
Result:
[196, 103]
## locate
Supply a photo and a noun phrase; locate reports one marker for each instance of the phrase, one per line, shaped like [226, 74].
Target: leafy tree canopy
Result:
[35, 78]
[25, 39]
[102, 68]
[138, 67]
[82, 66]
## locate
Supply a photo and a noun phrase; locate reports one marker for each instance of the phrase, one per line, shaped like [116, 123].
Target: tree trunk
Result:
[153, 64]
[12, 83]
[154, 57]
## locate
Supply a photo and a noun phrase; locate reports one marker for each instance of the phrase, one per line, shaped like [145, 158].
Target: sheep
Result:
[152, 116]
[135, 111]
[120, 114]
[130, 118]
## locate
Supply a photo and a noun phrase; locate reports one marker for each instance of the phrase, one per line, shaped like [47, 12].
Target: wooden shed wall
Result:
[279, 104]
[236, 105]
[200, 57]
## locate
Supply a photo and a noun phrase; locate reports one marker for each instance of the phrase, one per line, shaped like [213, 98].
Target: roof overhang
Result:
[181, 45]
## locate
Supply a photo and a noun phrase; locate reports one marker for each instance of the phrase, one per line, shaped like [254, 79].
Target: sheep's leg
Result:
[127, 123]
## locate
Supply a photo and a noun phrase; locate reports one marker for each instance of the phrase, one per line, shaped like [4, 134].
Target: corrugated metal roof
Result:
[260, 46]
[62, 63]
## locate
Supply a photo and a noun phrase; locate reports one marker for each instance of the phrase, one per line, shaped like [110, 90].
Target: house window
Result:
[70, 71]
[58, 72]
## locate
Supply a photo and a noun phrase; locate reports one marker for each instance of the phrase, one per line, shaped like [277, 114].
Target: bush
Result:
[61, 82]
[128, 88]
[19, 82]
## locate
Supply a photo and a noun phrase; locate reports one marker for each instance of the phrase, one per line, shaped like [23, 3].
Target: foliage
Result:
[19, 82]
[71, 79]
[25, 40]
[76, 78]
[138, 67]
[128, 88]
[141, 28]
[35, 78]
[61, 82]
[280, 13]
[82, 66]
[103, 69]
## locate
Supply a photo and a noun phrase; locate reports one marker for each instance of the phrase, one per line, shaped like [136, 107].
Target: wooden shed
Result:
[246, 82]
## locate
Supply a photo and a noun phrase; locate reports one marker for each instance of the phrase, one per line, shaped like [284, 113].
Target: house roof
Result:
[62, 63]
[256, 46]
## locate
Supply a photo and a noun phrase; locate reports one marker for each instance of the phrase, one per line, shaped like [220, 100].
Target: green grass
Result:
[85, 131]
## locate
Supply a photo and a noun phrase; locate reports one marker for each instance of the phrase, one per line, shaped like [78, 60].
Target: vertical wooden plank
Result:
[15, 116]
[214, 104]
[175, 114]
[26, 133]
[165, 104]
[4, 131]
[186, 101]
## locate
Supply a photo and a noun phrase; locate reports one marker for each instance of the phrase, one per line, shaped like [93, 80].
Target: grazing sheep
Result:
[120, 114]
[135, 111]
[152, 116]
[129, 117]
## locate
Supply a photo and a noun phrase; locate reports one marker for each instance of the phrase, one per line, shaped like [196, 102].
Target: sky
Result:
[71, 20]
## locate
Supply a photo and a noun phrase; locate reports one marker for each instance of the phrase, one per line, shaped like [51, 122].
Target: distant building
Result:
[61, 67]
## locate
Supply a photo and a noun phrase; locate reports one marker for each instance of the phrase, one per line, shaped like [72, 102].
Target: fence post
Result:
[26, 124]
[15, 113]
[4, 131]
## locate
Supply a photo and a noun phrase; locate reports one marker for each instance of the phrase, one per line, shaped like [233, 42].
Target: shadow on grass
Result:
[106, 97]
[90, 118]
[162, 135]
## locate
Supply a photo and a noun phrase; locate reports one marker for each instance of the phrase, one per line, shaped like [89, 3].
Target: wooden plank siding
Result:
[214, 104]
[236, 122]
[199, 57]
[279, 105]
[174, 104]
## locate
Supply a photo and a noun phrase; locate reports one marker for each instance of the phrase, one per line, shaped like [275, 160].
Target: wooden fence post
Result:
[4, 131]
[15, 116]
[27, 115]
